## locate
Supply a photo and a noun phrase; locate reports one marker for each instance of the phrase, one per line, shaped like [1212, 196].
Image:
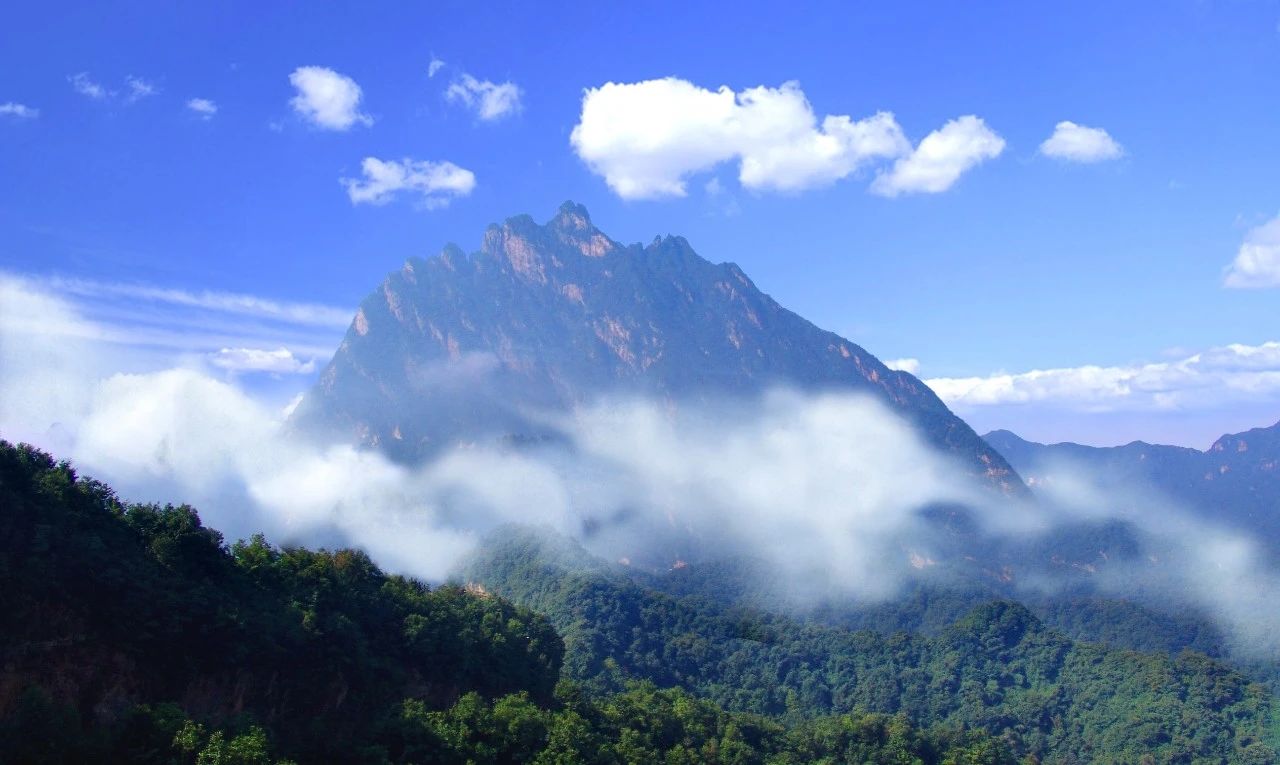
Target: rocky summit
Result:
[461, 347]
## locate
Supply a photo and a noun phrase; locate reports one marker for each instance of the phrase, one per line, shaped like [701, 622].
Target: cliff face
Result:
[460, 347]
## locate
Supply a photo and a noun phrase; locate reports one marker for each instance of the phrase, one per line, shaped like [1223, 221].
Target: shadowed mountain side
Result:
[1236, 480]
[458, 348]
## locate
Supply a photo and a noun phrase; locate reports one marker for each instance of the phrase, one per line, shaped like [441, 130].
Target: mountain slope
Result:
[997, 669]
[1237, 479]
[462, 347]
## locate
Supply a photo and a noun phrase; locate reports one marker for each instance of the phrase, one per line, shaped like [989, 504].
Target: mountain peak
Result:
[572, 214]
[553, 316]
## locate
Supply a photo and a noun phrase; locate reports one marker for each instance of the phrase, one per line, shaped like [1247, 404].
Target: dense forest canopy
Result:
[998, 668]
[133, 633]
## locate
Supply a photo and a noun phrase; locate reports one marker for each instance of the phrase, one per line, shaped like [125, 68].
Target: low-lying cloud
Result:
[832, 485]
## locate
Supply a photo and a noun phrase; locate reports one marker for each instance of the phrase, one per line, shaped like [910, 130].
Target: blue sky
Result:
[229, 226]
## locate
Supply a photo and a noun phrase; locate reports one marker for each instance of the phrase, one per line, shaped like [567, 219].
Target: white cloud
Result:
[436, 182]
[136, 88]
[203, 107]
[941, 158]
[434, 67]
[823, 488]
[139, 89]
[1257, 263]
[1077, 143]
[1219, 375]
[490, 101]
[21, 111]
[86, 87]
[278, 361]
[910, 366]
[647, 138]
[327, 99]
[312, 314]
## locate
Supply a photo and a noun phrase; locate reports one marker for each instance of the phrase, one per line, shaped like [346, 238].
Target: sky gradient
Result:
[986, 194]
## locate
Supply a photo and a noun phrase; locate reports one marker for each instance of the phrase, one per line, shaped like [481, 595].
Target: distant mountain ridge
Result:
[458, 347]
[1237, 479]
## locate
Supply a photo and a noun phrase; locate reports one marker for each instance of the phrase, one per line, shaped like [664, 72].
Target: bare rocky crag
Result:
[462, 348]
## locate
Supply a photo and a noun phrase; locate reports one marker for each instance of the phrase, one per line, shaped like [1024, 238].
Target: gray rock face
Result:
[460, 347]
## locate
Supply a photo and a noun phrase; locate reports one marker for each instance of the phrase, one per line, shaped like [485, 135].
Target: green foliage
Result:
[997, 669]
[109, 610]
[134, 634]
[646, 725]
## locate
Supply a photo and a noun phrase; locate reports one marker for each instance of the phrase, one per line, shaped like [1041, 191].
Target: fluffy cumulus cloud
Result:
[278, 361]
[1215, 376]
[647, 138]
[941, 158]
[1257, 263]
[1077, 143]
[490, 101]
[202, 107]
[327, 99]
[18, 111]
[434, 67]
[435, 183]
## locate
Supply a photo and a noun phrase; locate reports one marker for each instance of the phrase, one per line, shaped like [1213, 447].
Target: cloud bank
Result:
[829, 485]
[1213, 377]
[646, 139]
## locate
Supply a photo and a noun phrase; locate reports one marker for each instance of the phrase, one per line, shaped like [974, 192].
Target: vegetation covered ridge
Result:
[133, 633]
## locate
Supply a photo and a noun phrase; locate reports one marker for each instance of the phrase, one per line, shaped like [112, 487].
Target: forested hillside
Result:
[997, 668]
[132, 633]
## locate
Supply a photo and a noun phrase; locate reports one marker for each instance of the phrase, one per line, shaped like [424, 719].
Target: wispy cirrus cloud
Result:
[232, 332]
[85, 86]
[18, 111]
[135, 88]
[310, 314]
[202, 107]
[139, 89]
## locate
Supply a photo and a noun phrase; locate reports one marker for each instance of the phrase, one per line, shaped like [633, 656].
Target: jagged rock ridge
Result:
[458, 347]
